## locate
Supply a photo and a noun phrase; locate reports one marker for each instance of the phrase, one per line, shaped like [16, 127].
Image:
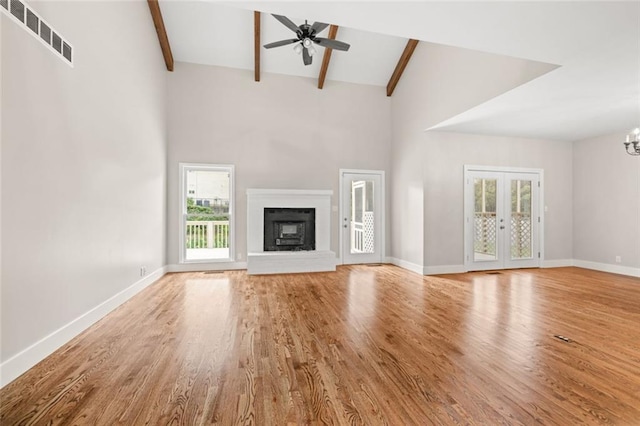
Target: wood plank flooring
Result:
[365, 345]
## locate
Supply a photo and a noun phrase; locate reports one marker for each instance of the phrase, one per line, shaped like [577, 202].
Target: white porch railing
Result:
[207, 234]
[485, 238]
[362, 235]
[485, 233]
[357, 237]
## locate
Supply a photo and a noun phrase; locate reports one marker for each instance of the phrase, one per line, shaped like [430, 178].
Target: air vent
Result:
[32, 21]
[17, 10]
[45, 33]
[57, 43]
[21, 13]
[563, 338]
[66, 51]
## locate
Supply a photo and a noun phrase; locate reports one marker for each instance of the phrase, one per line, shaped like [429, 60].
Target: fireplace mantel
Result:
[261, 262]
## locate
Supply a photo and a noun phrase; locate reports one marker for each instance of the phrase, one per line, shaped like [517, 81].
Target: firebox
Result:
[289, 229]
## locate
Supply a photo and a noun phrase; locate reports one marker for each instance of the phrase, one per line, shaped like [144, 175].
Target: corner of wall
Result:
[27, 358]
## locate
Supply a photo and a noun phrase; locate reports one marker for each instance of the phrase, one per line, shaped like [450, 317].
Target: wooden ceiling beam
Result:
[256, 44]
[158, 22]
[326, 57]
[402, 63]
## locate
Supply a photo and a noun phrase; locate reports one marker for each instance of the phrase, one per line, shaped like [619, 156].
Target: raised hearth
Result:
[292, 211]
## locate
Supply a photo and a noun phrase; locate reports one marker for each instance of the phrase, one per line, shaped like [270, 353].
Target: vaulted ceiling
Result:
[594, 90]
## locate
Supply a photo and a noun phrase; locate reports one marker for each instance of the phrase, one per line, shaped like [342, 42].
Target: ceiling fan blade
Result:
[287, 22]
[317, 27]
[280, 43]
[332, 44]
[306, 58]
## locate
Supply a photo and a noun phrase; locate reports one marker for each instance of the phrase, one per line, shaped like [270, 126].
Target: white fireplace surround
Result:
[276, 262]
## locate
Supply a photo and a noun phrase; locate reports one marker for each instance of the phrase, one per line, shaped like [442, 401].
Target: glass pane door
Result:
[362, 217]
[361, 222]
[521, 246]
[485, 227]
[521, 206]
[501, 220]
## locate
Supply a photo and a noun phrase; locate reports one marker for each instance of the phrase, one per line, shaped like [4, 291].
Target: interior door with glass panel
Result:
[361, 221]
[501, 220]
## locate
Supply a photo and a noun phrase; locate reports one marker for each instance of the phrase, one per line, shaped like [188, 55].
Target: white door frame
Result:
[468, 228]
[383, 208]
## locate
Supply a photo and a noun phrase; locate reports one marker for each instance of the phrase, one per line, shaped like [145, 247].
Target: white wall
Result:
[280, 133]
[445, 157]
[1, 22]
[406, 180]
[606, 204]
[440, 82]
[83, 168]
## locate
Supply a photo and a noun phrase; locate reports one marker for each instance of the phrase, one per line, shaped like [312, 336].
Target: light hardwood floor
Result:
[365, 345]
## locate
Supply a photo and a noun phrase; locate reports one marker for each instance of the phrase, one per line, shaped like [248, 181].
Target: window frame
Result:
[184, 168]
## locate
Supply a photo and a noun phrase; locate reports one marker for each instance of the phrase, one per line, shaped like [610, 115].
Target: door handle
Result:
[501, 227]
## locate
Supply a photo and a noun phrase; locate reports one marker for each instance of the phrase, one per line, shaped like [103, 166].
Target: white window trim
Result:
[182, 205]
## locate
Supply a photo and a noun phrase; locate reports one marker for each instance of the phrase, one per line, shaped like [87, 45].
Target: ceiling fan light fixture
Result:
[632, 144]
[306, 36]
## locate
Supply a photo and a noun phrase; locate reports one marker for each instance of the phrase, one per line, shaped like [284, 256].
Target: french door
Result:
[361, 224]
[502, 219]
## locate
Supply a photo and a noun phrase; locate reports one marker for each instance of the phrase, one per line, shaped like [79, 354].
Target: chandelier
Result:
[633, 141]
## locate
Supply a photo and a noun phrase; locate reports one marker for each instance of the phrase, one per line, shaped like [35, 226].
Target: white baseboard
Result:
[212, 266]
[607, 267]
[24, 360]
[444, 269]
[427, 270]
[557, 263]
[413, 267]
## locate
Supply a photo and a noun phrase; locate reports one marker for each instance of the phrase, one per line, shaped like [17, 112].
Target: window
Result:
[206, 206]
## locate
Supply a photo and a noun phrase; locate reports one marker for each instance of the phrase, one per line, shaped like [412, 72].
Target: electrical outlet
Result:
[143, 271]
[239, 256]
[618, 259]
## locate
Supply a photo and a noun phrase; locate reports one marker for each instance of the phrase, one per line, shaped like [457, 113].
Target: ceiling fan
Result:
[306, 37]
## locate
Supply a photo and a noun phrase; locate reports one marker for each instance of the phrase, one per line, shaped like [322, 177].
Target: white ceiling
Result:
[595, 91]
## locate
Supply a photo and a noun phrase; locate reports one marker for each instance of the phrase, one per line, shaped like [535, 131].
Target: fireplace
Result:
[300, 219]
[289, 229]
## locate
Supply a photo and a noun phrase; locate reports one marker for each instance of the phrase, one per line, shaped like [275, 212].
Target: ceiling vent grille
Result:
[23, 14]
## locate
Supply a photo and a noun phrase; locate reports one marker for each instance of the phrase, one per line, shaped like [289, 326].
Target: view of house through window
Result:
[207, 209]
